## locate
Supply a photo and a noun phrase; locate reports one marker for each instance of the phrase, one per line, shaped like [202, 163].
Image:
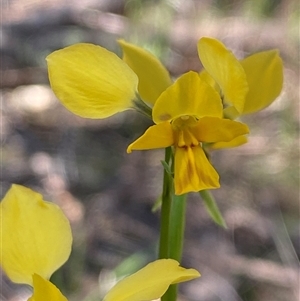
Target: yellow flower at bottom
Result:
[35, 237]
[188, 113]
[151, 282]
[147, 284]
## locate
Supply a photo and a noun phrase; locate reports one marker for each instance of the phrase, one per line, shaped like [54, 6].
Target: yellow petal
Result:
[44, 290]
[233, 143]
[193, 171]
[35, 235]
[264, 72]
[189, 95]
[212, 129]
[153, 76]
[156, 136]
[226, 70]
[91, 81]
[151, 282]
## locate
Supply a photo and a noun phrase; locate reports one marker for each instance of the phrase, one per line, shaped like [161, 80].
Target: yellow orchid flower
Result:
[36, 240]
[263, 73]
[187, 114]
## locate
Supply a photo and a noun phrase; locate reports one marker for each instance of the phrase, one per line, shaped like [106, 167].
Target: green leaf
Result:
[212, 208]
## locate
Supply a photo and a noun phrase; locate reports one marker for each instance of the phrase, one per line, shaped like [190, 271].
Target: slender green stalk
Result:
[172, 223]
[177, 226]
[176, 237]
[166, 209]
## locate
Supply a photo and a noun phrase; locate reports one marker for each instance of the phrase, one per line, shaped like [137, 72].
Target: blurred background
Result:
[107, 194]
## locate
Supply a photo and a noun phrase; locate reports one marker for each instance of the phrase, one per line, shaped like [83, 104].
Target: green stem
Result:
[172, 223]
[166, 209]
[177, 226]
[176, 237]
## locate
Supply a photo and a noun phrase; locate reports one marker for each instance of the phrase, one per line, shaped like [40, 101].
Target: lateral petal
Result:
[45, 290]
[151, 282]
[264, 72]
[212, 129]
[91, 81]
[35, 235]
[227, 71]
[153, 76]
[156, 136]
[193, 171]
[189, 95]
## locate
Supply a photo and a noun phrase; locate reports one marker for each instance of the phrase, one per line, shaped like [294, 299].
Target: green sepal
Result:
[212, 208]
